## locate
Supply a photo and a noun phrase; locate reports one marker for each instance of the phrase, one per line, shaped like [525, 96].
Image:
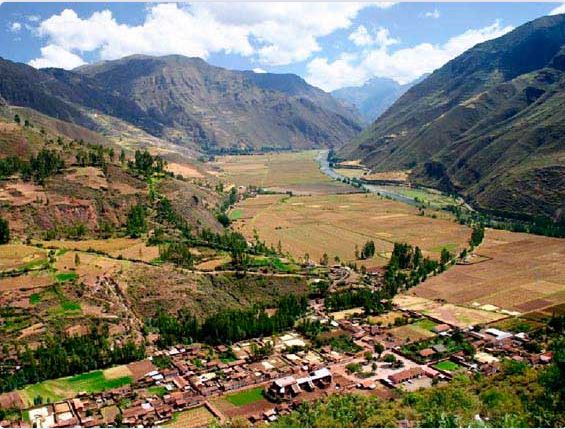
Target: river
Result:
[324, 164]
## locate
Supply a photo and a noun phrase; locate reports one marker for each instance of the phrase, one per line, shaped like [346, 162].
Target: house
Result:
[443, 327]
[407, 374]
[439, 348]
[498, 334]
[425, 353]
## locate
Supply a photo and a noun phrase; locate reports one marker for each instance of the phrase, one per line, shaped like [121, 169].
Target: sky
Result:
[330, 45]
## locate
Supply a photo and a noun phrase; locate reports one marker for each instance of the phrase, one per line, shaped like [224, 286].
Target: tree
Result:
[122, 156]
[77, 259]
[223, 219]
[445, 256]
[136, 222]
[17, 118]
[379, 349]
[390, 358]
[4, 231]
[368, 250]
[477, 235]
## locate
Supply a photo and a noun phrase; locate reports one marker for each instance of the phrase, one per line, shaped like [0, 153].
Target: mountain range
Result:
[489, 125]
[186, 101]
[374, 96]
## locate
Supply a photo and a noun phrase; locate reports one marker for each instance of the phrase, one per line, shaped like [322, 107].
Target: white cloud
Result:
[56, 56]
[559, 9]
[259, 70]
[403, 65]
[362, 37]
[15, 27]
[33, 18]
[435, 14]
[271, 33]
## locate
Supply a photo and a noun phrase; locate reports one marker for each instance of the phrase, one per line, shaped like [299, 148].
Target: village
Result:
[193, 385]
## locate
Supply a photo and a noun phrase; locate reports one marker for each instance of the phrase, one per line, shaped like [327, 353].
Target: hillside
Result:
[186, 101]
[488, 125]
[374, 97]
[91, 191]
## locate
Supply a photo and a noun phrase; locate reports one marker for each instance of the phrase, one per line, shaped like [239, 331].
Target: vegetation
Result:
[4, 231]
[229, 325]
[177, 253]
[246, 397]
[136, 222]
[67, 355]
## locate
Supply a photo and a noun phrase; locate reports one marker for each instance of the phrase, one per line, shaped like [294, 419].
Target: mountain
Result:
[219, 108]
[488, 125]
[186, 101]
[375, 96]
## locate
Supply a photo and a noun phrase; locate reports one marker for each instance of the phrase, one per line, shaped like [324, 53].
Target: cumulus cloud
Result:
[15, 27]
[558, 10]
[362, 37]
[33, 18]
[271, 33]
[259, 70]
[56, 56]
[403, 65]
[434, 14]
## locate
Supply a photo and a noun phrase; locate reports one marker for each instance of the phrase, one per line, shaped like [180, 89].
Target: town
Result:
[260, 379]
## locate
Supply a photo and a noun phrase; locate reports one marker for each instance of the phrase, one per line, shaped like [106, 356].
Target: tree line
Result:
[228, 326]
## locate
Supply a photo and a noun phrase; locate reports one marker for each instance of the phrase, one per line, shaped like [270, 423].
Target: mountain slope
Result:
[219, 108]
[374, 97]
[488, 124]
[186, 101]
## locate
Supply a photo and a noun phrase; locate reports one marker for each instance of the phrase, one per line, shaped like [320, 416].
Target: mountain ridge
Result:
[186, 101]
[482, 124]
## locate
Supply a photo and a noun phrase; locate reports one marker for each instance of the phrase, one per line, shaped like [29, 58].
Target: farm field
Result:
[128, 248]
[194, 418]
[412, 332]
[515, 273]
[63, 388]
[455, 315]
[20, 256]
[280, 172]
[335, 224]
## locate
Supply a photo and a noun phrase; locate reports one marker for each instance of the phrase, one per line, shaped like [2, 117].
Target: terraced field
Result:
[513, 272]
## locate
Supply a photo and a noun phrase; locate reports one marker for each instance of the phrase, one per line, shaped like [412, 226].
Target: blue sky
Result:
[331, 45]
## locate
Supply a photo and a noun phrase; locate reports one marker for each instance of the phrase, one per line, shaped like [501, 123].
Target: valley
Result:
[185, 245]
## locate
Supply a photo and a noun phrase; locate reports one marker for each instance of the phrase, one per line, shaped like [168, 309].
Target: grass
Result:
[426, 324]
[447, 365]
[63, 388]
[35, 299]
[65, 277]
[246, 397]
[235, 214]
[157, 390]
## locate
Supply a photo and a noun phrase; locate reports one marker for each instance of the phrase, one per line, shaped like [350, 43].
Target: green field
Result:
[235, 214]
[157, 390]
[447, 365]
[426, 324]
[65, 277]
[246, 397]
[63, 388]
